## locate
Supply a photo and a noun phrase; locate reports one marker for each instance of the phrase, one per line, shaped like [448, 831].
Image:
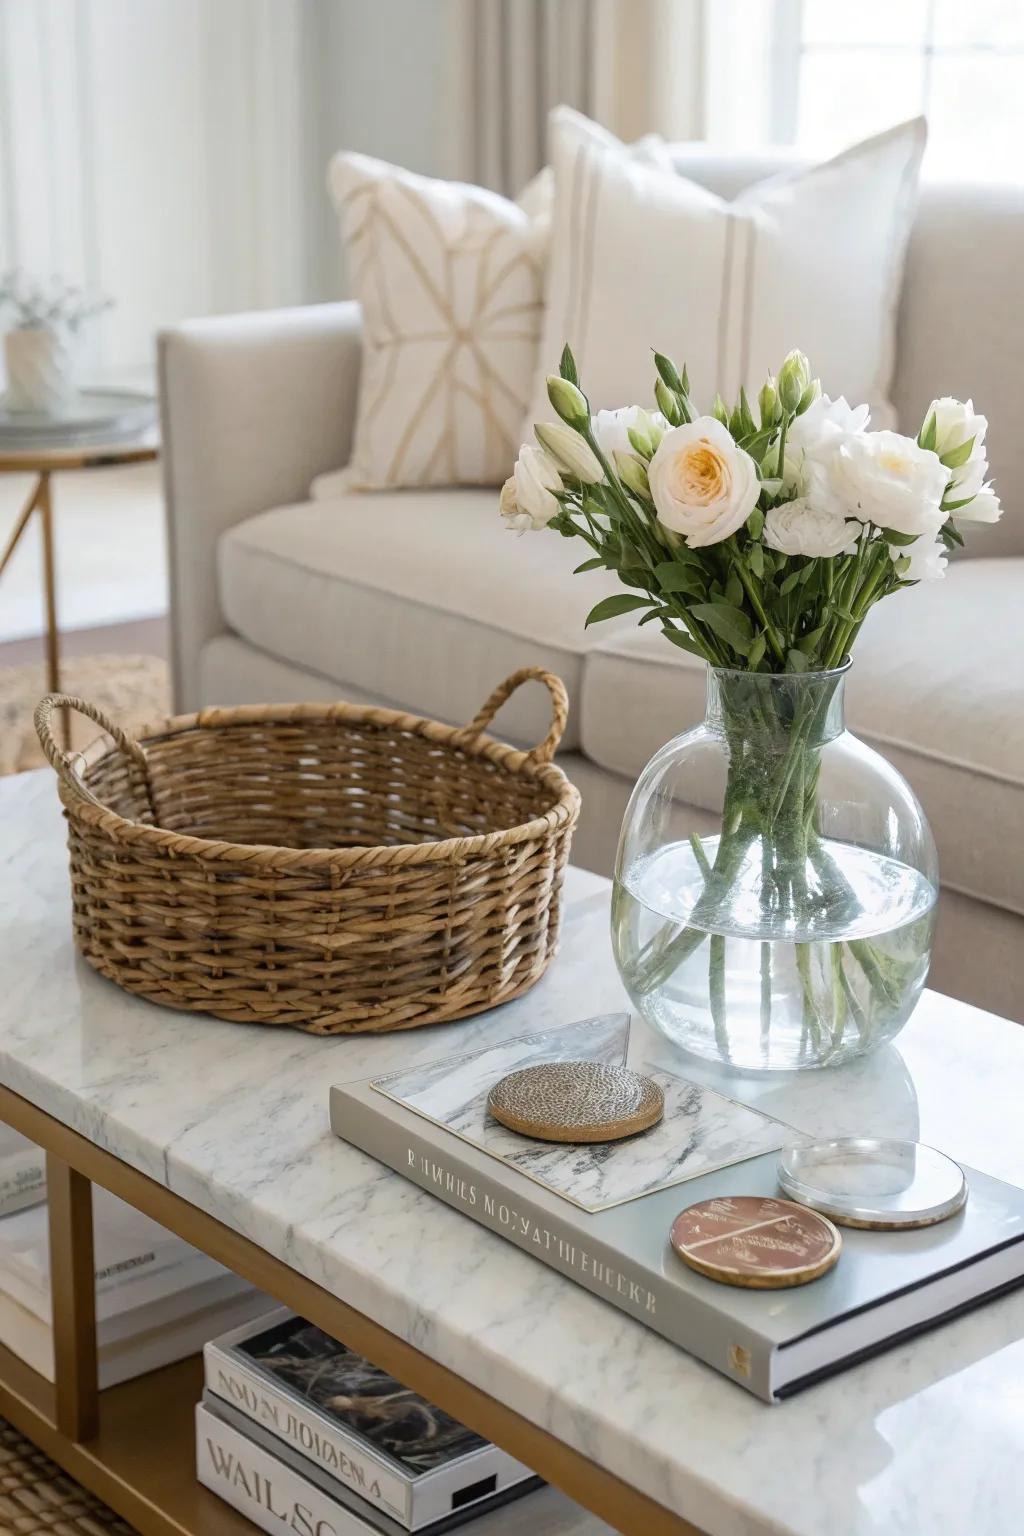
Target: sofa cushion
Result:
[936, 686]
[420, 597]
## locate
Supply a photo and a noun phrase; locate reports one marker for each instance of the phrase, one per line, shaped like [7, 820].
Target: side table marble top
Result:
[925, 1440]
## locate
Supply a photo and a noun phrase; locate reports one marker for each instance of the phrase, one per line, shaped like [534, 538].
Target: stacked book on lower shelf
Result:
[157, 1299]
[296, 1430]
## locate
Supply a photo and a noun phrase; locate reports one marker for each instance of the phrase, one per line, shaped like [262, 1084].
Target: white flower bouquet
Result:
[760, 542]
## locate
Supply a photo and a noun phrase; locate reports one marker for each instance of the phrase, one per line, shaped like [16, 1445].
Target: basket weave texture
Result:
[332, 867]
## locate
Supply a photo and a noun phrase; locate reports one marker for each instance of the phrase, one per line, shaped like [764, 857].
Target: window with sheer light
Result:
[855, 69]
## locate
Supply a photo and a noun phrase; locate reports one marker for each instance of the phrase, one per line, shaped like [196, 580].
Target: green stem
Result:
[739, 565]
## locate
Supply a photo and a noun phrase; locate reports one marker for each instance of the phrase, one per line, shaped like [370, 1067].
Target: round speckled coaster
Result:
[754, 1241]
[576, 1101]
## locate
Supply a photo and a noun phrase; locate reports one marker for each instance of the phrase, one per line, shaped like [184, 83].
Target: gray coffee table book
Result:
[352, 1431]
[602, 1214]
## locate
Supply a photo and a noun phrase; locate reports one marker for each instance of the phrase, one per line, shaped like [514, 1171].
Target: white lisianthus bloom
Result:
[611, 428]
[569, 451]
[703, 485]
[799, 528]
[985, 508]
[927, 558]
[528, 495]
[955, 424]
[811, 444]
[886, 479]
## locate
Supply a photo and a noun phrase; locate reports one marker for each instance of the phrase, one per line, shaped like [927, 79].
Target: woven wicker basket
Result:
[328, 866]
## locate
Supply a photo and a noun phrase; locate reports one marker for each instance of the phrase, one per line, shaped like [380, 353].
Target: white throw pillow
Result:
[641, 259]
[450, 281]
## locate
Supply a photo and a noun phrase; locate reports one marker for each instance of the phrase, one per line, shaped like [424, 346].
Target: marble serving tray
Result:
[701, 1130]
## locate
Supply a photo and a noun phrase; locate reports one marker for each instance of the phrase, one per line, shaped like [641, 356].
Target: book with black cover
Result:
[363, 1430]
[885, 1286]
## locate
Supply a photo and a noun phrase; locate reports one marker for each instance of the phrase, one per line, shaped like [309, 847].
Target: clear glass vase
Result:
[776, 882]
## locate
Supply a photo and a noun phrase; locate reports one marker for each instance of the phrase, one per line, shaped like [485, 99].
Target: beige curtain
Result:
[634, 65]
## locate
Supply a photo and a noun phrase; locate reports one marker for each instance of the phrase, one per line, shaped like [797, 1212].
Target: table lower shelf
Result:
[142, 1462]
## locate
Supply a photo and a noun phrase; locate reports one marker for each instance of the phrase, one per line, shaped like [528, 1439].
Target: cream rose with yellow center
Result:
[703, 486]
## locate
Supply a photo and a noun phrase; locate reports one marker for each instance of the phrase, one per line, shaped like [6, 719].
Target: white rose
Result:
[927, 559]
[798, 528]
[528, 496]
[813, 440]
[702, 484]
[825, 420]
[611, 428]
[985, 508]
[885, 478]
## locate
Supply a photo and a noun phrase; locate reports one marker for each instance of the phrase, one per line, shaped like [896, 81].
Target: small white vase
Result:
[40, 365]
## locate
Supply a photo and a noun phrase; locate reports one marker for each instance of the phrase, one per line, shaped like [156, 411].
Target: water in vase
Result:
[767, 977]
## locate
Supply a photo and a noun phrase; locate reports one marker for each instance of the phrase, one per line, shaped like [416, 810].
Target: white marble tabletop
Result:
[926, 1440]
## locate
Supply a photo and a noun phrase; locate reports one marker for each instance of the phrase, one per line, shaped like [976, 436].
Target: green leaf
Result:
[789, 582]
[611, 607]
[757, 649]
[682, 640]
[671, 576]
[567, 366]
[928, 433]
[954, 506]
[796, 661]
[589, 565]
[734, 590]
[755, 523]
[809, 642]
[892, 537]
[755, 559]
[954, 458]
[746, 415]
[728, 623]
[654, 613]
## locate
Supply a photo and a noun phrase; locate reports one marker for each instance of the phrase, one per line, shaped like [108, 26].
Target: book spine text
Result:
[268, 1493]
[307, 1431]
[692, 1323]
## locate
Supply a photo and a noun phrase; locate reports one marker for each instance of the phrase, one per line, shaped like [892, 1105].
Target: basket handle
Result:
[545, 750]
[62, 761]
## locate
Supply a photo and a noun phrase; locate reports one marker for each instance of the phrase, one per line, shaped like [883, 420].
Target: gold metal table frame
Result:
[133, 1445]
[43, 463]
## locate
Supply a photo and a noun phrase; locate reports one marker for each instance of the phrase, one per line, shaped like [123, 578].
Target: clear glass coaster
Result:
[867, 1181]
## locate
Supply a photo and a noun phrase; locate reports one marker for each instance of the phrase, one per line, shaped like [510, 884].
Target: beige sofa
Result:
[423, 600]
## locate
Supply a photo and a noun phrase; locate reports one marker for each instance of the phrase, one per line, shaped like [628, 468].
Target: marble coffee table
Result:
[221, 1132]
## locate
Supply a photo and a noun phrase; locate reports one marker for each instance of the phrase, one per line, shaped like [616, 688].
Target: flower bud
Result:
[569, 450]
[720, 411]
[809, 396]
[768, 401]
[569, 402]
[633, 474]
[668, 405]
[794, 377]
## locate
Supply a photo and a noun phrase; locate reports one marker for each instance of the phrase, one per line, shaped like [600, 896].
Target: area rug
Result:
[130, 689]
[36, 1496]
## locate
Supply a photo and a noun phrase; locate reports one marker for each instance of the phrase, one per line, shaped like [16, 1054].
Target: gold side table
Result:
[44, 462]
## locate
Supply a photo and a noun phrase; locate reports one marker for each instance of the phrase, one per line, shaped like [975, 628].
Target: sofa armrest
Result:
[252, 408]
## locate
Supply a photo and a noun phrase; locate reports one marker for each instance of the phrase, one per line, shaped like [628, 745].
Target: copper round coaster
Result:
[755, 1241]
[576, 1101]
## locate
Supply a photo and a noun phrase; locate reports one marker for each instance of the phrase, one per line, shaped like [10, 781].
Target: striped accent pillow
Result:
[641, 258]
